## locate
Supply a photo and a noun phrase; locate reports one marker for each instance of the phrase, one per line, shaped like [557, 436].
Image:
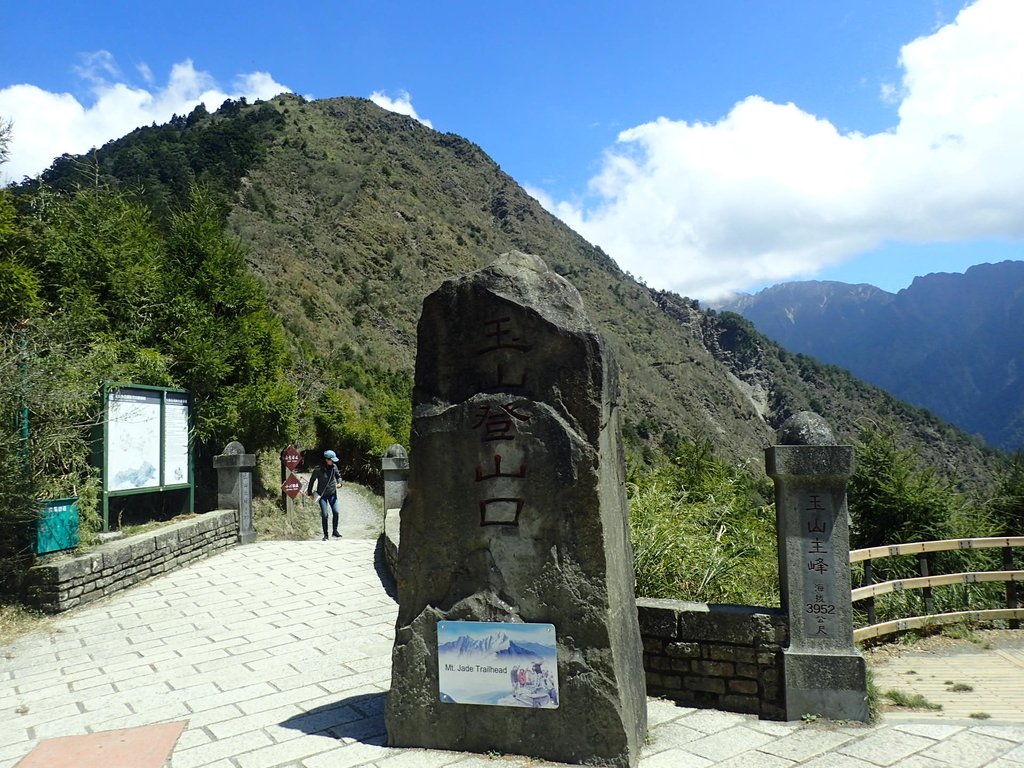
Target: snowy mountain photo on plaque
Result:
[497, 664]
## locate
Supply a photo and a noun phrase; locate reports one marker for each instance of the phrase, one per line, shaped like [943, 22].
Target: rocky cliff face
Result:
[951, 343]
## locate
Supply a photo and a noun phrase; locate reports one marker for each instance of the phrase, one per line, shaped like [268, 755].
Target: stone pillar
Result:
[823, 672]
[395, 469]
[234, 486]
[515, 563]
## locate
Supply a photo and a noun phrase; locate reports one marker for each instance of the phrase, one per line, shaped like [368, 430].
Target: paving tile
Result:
[353, 755]
[1008, 732]
[709, 721]
[886, 747]
[755, 759]
[205, 717]
[253, 722]
[674, 759]
[361, 730]
[504, 761]
[237, 696]
[671, 736]
[663, 711]
[837, 761]
[728, 743]
[421, 758]
[14, 751]
[146, 747]
[193, 737]
[929, 730]
[233, 747]
[1017, 753]
[34, 717]
[775, 727]
[969, 750]
[295, 749]
[806, 743]
[281, 698]
[920, 761]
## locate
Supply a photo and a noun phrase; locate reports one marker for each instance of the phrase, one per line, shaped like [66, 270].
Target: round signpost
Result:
[292, 486]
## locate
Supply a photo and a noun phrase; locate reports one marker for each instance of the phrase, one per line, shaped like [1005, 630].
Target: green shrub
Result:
[701, 531]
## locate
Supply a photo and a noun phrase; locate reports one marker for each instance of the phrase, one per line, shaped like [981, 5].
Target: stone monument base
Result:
[825, 684]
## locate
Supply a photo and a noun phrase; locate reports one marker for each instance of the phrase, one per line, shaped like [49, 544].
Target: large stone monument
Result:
[824, 673]
[514, 564]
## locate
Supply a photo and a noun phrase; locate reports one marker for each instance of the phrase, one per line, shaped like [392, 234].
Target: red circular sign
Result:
[292, 486]
[291, 458]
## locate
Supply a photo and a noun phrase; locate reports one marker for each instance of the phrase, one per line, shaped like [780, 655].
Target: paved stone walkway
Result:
[981, 678]
[277, 654]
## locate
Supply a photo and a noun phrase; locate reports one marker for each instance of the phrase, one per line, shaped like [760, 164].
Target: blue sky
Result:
[707, 145]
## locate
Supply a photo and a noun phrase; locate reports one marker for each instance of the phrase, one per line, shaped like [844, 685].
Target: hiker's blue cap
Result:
[330, 455]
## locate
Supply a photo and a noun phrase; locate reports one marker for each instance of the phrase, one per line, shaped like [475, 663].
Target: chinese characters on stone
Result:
[819, 607]
[498, 423]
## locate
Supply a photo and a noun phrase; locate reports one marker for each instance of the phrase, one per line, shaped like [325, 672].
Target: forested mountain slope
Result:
[351, 215]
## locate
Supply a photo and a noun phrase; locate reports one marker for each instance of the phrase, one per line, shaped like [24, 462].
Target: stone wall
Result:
[726, 657]
[69, 581]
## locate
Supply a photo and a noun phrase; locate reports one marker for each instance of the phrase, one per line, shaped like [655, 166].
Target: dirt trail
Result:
[362, 513]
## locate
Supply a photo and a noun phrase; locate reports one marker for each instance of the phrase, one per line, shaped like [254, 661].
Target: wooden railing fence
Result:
[871, 589]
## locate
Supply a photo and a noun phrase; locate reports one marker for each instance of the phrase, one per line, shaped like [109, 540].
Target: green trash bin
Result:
[58, 526]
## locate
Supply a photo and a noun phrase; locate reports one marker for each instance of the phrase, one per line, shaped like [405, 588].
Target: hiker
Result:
[325, 482]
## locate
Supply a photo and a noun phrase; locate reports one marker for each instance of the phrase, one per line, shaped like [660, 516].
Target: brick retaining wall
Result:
[726, 657]
[66, 582]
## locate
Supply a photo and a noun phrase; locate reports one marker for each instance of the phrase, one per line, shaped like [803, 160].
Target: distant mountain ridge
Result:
[499, 646]
[951, 343]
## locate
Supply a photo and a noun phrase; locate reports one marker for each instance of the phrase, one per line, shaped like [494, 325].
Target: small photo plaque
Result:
[497, 664]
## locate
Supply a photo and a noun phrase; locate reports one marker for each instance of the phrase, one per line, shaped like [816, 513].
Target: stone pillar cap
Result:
[805, 428]
[234, 460]
[396, 451]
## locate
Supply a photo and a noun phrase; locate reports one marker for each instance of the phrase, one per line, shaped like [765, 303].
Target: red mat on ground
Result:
[146, 747]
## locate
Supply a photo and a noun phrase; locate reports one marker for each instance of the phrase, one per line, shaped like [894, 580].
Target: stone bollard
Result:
[234, 486]
[395, 469]
[823, 672]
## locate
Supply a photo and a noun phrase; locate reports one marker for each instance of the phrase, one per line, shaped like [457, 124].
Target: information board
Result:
[176, 451]
[145, 444]
[497, 664]
[133, 439]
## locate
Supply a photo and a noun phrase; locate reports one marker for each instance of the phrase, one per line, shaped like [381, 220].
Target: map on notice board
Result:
[133, 439]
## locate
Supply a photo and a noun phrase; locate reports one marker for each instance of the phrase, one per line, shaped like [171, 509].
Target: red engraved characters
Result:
[501, 339]
[500, 422]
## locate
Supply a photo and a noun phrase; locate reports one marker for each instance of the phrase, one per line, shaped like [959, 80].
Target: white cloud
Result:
[48, 124]
[402, 105]
[770, 192]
